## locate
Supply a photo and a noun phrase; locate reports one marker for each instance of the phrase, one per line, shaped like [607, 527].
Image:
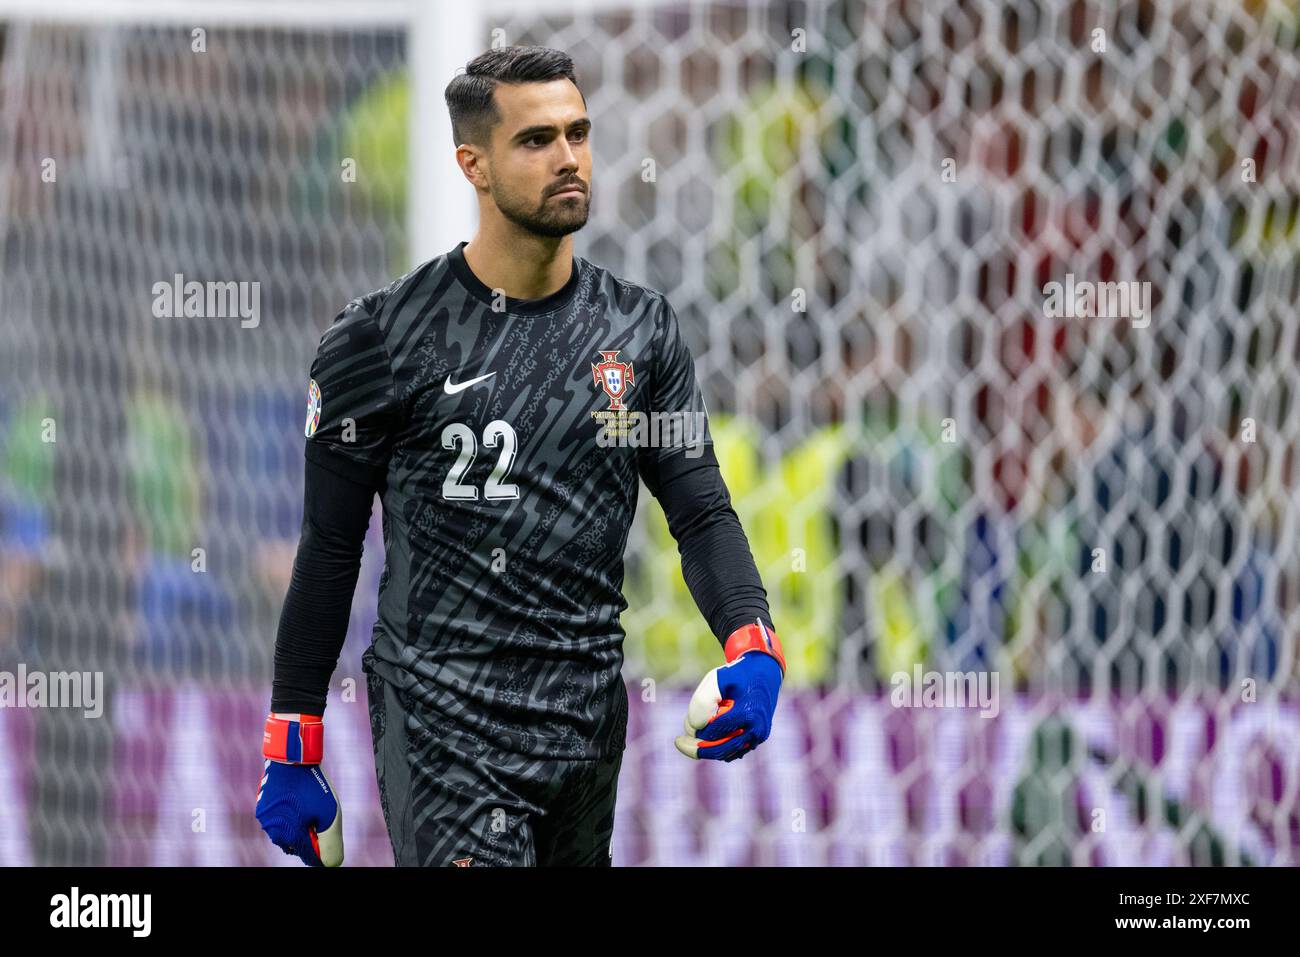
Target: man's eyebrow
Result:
[530, 131]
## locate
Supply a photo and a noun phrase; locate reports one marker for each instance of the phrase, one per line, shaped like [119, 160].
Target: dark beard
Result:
[552, 219]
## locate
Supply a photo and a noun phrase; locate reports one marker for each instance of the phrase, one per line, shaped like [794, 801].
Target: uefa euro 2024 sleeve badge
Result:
[313, 408]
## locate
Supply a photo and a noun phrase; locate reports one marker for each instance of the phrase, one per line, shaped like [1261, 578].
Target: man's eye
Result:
[579, 135]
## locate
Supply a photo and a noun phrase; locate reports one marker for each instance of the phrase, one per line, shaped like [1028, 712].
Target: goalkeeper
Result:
[492, 397]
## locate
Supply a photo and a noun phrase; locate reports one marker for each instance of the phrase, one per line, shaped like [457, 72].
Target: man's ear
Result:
[472, 163]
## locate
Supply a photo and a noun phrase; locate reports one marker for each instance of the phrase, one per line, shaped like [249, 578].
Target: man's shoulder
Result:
[627, 296]
[381, 303]
[366, 322]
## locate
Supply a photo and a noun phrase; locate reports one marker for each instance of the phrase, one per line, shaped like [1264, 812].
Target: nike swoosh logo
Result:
[451, 388]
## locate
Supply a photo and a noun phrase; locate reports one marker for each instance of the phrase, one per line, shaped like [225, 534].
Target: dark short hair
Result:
[469, 94]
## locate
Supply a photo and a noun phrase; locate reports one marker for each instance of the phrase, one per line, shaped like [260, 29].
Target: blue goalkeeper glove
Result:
[731, 711]
[295, 804]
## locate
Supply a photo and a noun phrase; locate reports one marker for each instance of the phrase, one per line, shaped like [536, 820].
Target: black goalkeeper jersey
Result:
[480, 418]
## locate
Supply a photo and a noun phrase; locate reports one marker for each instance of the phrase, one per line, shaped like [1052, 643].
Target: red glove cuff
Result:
[755, 637]
[294, 738]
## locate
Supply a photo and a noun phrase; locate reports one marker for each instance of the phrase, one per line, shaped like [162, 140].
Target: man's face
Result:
[540, 160]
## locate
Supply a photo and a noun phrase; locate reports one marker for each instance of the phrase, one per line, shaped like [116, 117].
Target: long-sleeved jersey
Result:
[506, 438]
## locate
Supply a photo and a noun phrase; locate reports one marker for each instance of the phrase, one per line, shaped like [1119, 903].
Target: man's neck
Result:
[523, 265]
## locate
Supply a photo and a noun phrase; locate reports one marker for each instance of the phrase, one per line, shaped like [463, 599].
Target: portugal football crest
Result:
[614, 377]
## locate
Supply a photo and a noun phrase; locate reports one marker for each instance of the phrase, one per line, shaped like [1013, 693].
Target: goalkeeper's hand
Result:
[296, 805]
[731, 711]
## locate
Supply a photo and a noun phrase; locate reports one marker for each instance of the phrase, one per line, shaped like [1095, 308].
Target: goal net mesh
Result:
[962, 474]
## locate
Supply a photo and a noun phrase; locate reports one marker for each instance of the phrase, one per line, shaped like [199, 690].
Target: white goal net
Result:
[995, 307]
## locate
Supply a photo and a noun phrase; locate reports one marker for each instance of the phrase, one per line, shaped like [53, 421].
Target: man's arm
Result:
[684, 476]
[717, 563]
[352, 417]
[296, 805]
[352, 414]
[314, 621]
[731, 711]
